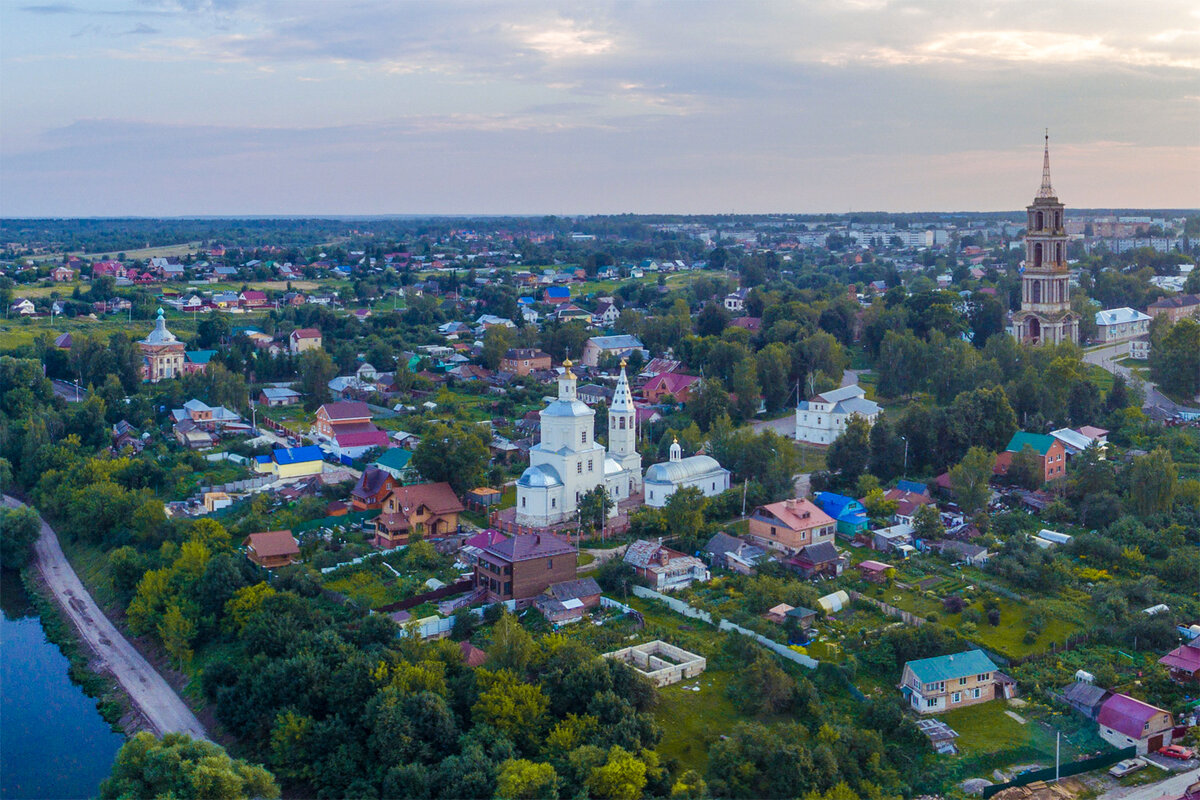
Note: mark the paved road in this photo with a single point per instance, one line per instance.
(1170, 787)
(1109, 356)
(69, 391)
(154, 699)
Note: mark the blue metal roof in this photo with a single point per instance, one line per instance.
(297, 455)
(912, 486)
(839, 506)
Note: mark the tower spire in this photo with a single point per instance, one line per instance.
(1046, 189)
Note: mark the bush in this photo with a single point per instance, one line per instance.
(972, 616)
(1030, 637)
(993, 617)
(953, 604)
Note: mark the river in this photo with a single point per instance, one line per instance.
(53, 741)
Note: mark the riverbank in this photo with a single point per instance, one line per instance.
(112, 702)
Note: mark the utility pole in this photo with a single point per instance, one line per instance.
(745, 485)
(1057, 745)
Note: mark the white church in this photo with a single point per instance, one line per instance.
(568, 462)
(700, 472)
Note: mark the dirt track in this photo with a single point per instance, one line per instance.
(152, 696)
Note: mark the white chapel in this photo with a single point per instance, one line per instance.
(568, 462)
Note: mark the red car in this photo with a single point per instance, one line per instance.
(1178, 751)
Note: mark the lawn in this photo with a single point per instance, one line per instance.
(985, 728)
(692, 721)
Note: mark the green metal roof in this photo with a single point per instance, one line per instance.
(945, 668)
(1038, 441)
(395, 458)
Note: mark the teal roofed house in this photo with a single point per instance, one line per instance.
(197, 360)
(396, 461)
(1041, 442)
(943, 683)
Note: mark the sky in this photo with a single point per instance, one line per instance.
(235, 107)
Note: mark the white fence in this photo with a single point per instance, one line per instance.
(695, 613)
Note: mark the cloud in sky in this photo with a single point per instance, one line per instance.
(366, 106)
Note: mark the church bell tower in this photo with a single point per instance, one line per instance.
(1046, 316)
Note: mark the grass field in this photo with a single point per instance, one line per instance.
(692, 721)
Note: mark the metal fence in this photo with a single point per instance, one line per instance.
(1063, 771)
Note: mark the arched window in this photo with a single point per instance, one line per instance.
(1035, 292)
(622, 423)
(1037, 253)
(1038, 219)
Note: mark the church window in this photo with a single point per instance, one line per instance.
(621, 424)
(1038, 221)
(589, 465)
(549, 563)
(583, 436)
(578, 467)
(553, 502)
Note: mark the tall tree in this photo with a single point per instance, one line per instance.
(1152, 482)
(316, 371)
(849, 454)
(969, 479)
(453, 452)
(179, 767)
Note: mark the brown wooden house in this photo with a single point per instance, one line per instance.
(422, 509)
(271, 549)
(524, 566)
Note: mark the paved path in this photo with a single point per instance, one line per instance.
(1170, 787)
(152, 696)
(1107, 358)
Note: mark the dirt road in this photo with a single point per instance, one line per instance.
(154, 699)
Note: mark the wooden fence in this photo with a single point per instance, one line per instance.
(897, 613)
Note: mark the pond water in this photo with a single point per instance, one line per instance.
(53, 741)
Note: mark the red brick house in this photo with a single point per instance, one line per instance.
(675, 384)
(1050, 452)
(372, 489)
(523, 360)
(341, 417)
(523, 567)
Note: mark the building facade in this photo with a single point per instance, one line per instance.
(1046, 316)
(523, 567)
(822, 419)
(698, 472)
(568, 462)
(943, 683)
(1120, 324)
(162, 354)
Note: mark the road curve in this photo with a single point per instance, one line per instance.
(153, 698)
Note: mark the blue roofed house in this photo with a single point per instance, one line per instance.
(850, 514)
(943, 683)
(395, 461)
(197, 360)
(291, 462)
(556, 294)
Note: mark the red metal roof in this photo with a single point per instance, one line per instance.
(1126, 715)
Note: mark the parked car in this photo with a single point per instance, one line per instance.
(1126, 767)
(1178, 751)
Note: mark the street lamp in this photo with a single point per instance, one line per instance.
(905, 472)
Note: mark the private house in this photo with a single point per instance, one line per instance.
(618, 346)
(275, 396)
(1050, 452)
(790, 525)
(162, 353)
(555, 295)
(567, 602)
(1126, 722)
(695, 472)
(252, 298)
(421, 509)
(1121, 324)
(523, 567)
(291, 462)
(734, 554)
(973, 554)
(873, 571)
(23, 307)
(850, 514)
(1183, 663)
(303, 339)
(822, 418)
(468, 552)
(372, 489)
(593, 393)
(196, 360)
(908, 500)
(271, 549)
(943, 683)
(62, 274)
(1175, 307)
(735, 301)
(817, 560)
(606, 314)
(896, 538)
(523, 360)
(666, 569)
(674, 384)
(396, 461)
(1086, 698)
(347, 427)
(1075, 441)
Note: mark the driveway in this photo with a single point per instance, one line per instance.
(1170, 787)
(152, 696)
(1108, 357)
